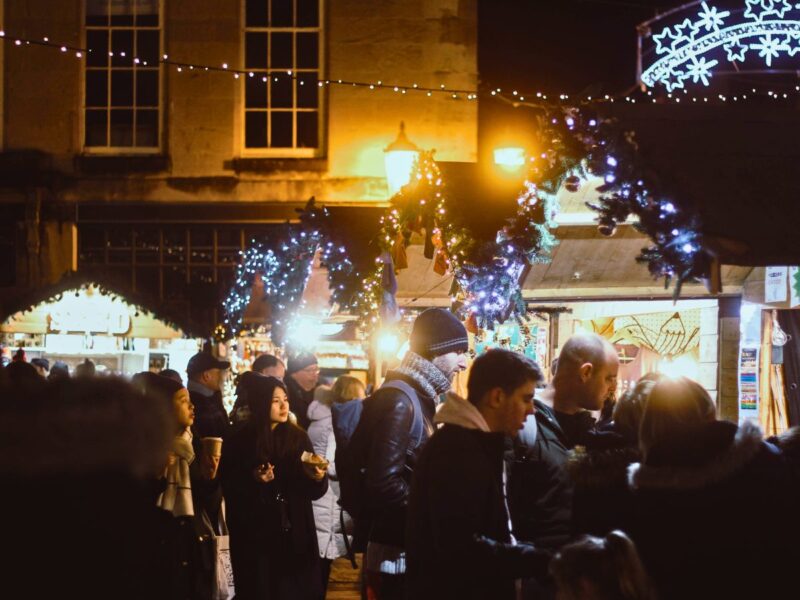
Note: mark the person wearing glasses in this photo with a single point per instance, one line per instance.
(302, 377)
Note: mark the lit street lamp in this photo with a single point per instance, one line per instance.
(399, 158)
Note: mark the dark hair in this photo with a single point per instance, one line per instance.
(157, 385)
(500, 368)
(629, 409)
(171, 374)
(266, 361)
(85, 369)
(23, 374)
(257, 391)
(609, 567)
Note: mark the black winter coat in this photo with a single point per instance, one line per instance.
(457, 494)
(388, 415)
(539, 487)
(210, 418)
(715, 516)
(299, 401)
(273, 543)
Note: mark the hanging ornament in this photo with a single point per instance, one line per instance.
(572, 183)
(607, 227)
(471, 324)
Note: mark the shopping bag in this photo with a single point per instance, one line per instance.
(223, 589)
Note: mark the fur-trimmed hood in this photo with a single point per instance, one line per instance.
(720, 449)
(597, 469)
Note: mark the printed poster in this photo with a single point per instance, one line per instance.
(748, 382)
(794, 286)
(775, 284)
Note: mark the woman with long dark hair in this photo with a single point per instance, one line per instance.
(268, 491)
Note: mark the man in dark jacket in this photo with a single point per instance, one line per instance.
(458, 540)
(540, 489)
(206, 375)
(384, 434)
(302, 377)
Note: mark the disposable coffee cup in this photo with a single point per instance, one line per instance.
(212, 446)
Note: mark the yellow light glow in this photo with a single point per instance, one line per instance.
(399, 159)
(511, 158)
(681, 366)
(388, 342)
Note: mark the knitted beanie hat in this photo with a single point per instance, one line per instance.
(298, 362)
(437, 331)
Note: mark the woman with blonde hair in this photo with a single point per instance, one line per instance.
(594, 568)
(331, 523)
(697, 480)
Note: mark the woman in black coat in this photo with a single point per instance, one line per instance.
(268, 492)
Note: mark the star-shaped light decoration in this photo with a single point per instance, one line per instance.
(665, 41)
(736, 51)
(700, 69)
(770, 47)
(711, 18)
(758, 10)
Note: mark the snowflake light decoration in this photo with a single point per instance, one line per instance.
(691, 48)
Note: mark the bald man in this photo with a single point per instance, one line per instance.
(540, 492)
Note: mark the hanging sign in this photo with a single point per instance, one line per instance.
(775, 284)
(794, 286)
(688, 44)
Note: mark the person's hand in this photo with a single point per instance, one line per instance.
(314, 472)
(264, 473)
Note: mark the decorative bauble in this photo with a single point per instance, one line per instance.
(607, 228)
(572, 183)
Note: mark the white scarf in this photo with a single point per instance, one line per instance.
(177, 498)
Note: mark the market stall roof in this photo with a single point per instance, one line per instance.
(88, 308)
(736, 166)
(20, 310)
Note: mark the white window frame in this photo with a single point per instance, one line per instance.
(321, 105)
(125, 150)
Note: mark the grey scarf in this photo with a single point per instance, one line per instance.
(424, 374)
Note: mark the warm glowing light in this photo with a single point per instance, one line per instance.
(303, 332)
(681, 366)
(388, 343)
(510, 159)
(399, 158)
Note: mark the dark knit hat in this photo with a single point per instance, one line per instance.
(437, 331)
(298, 362)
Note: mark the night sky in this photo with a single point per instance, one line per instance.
(560, 46)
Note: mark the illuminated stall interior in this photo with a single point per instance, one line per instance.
(86, 323)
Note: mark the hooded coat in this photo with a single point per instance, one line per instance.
(326, 509)
(714, 515)
(458, 540)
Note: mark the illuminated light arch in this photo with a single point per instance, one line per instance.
(689, 49)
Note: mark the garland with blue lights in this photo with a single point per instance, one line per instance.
(285, 271)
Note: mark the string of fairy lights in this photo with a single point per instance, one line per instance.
(517, 98)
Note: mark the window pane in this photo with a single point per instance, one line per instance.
(97, 88)
(255, 93)
(256, 13)
(147, 45)
(229, 237)
(122, 44)
(96, 125)
(307, 90)
(147, 280)
(147, 128)
(118, 238)
(202, 237)
(147, 13)
(174, 245)
(281, 51)
(119, 257)
(122, 128)
(255, 51)
(121, 88)
(281, 13)
(281, 130)
(281, 92)
(97, 12)
(308, 13)
(307, 51)
(97, 43)
(147, 87)
(174, 282)
(122, 12)
(256, 129)
(307, 130)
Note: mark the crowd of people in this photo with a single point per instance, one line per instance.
(120, 489)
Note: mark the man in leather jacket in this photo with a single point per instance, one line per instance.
(437, 346)
(540, 489)
(459, 538)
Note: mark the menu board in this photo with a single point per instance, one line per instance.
(748, 382)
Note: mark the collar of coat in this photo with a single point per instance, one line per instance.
(458, 411)
(745, 444)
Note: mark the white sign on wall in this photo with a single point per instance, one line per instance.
(776, 284)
